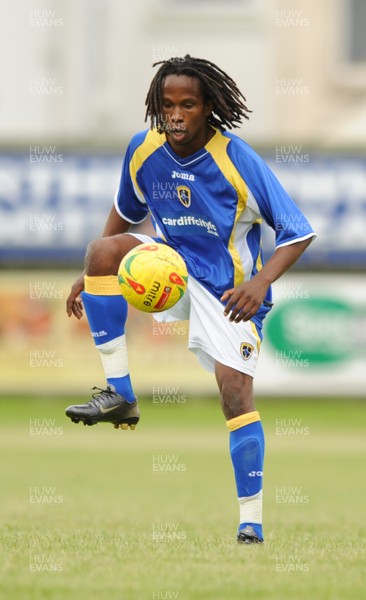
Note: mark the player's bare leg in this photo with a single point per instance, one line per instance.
(106, 310)
(103, 256)
(246, 448)
(236, 391)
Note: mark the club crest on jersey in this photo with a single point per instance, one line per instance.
(184, 195)
(246, 350)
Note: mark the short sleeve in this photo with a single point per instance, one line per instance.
(275, 206)
(128, 204)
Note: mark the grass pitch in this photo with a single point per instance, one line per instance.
(94, 513)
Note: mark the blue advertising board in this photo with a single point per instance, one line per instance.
(52, 204)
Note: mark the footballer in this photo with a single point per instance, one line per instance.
(223, 193)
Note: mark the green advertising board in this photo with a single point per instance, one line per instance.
(316, 330)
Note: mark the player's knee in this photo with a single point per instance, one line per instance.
(103, 256)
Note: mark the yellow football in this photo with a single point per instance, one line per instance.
(152, 277)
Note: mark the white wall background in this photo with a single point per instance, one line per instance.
(77, 71)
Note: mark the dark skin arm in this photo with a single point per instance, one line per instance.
(114, 225)
(243, 301)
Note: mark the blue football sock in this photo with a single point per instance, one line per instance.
(247, 455)
(107, 316)
(123, 386)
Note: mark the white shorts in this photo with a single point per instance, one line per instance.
(212, 337)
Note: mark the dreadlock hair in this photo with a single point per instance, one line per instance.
(228, 102)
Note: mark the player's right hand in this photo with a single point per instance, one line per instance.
(74, 305)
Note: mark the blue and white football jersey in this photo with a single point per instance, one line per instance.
(209, 206)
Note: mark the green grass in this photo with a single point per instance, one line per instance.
(99, 535)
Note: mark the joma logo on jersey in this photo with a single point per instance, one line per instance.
(184, 195)
(187, 176)
(246, 350)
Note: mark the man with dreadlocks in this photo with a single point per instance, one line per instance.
(223, 191)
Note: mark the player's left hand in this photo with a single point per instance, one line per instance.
(243, 301)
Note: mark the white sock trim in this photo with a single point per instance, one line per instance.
(114, 357)
(251, 508)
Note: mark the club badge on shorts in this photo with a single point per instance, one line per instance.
(184, 195)
(246, 350)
